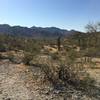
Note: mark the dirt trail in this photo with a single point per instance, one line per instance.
(12, 85)
(16, 82)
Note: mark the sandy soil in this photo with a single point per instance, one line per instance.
(16, 82)
(20, 82)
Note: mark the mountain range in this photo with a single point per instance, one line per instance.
(36, 32)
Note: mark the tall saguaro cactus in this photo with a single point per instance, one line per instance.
(59, 43)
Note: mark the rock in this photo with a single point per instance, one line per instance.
(56, 91)
(17, 60)
(8, 99)
(0, 91)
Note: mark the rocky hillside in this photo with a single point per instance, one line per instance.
(36, 32)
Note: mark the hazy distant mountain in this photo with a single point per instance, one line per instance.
(36, 32)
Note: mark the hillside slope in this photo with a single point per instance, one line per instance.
(36, 32)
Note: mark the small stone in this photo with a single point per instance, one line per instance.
(8, 99)
(0, 92)
(56, 91)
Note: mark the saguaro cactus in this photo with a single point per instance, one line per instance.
(59, 43)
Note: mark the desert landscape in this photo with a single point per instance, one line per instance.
(49, 49)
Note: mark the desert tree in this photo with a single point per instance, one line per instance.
(93, 28)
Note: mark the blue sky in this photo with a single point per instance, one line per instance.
(67, 14)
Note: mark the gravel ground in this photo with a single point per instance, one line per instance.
(20, 82)
(12, 87)
(17, 82)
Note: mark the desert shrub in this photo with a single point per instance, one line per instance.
(76, 76)
(15, 56)
(65, 71)
(55, 56)
(32, 46)
(73, 72)
(3, 48)
(1, 56)
(88, 81)
(10, 56)
(48, 66)
(27, 58)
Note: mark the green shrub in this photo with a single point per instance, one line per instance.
(27, 58)
(3, 48)
(1, 56)
(10, 56)
(65, 71)
(55, 56)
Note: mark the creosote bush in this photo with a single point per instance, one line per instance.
(1, 56)
(66, 71)
(3, 48)
(27, 58)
